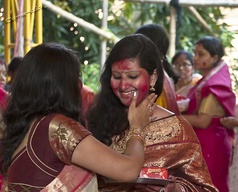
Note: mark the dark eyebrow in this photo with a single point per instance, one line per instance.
(127, 72)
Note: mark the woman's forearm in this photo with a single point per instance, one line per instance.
(200, 121)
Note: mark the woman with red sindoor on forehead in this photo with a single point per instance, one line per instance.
(134, 65)
(210, 100)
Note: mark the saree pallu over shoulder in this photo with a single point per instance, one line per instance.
(217, 82)
(73, 179)
(171, 143)
(167, 98)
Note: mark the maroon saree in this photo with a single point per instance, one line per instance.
(44, 164)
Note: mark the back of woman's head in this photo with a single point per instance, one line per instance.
(47, 80)
(213, 45)
(157, 34)
(14, 64)
(188, 56)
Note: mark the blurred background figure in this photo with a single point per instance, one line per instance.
(11, 72)
(3, 93)
(87, 97)
(232, 123)
(3, 96)
(208, 104)
(3, 72)
(183, 65)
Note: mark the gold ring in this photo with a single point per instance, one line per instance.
(150, 110)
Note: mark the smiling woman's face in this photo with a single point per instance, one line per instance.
(128, 77)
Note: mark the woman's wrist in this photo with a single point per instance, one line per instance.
(136, 133)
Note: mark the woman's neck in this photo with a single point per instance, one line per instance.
(204, 72)
(183, 82)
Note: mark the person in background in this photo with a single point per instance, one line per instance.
(134, 65)
(3, 99)
(211, 99)
(183, 65)
(3, 73)
(232, 123)
(158, 35)
(12, 70)
(3, 94)
(45, 146)
(87, 97)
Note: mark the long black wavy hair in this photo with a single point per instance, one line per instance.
(47, 82)
(107, 116)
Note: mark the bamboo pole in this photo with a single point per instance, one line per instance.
(7, 37)
(27, 24)
(172, 39)
(103, 44)
(199, 18)
(39, 22)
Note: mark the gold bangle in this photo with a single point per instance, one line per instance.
(182, 188)
(136, 133)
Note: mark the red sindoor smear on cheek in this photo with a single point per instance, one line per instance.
(204, 63)
(144, 89)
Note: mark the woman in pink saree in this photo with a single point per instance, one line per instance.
(211, 99)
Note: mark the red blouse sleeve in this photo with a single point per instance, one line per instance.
(64, 135)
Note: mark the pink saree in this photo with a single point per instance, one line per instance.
(215, 139)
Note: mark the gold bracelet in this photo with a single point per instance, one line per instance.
(182, 188)
(136, 133)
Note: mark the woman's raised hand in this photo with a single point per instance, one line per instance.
(139, 116)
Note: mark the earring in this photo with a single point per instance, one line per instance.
(152, 87)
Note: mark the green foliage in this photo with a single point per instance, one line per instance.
(90, 76)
